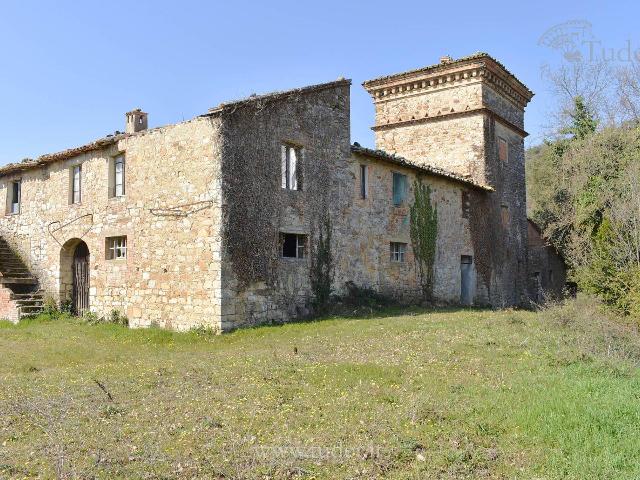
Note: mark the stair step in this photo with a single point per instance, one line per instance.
(30, 310)
(18, 296)
(15, 274)
(18, 280)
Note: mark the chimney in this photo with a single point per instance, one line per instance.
(446, 59)
(136, 121)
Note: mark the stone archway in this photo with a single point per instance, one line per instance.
(74, 275)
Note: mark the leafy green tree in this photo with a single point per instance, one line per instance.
(583, 122)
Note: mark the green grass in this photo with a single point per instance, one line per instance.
(413, 394)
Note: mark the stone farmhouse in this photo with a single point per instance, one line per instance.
(252, 211)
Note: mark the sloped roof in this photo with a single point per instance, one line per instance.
(63, 155)
(424, 168)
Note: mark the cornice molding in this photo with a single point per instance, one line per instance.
(484, 70)
(449, 116)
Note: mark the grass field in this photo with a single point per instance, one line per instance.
(405, 394)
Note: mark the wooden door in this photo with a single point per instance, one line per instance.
(81, 279)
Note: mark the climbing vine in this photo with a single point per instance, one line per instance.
(424, 232)
(322, 266)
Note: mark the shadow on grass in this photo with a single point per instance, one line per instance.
(160, 336)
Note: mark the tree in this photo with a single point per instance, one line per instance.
(583, 122)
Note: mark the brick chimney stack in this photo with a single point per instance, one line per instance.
(136, 121)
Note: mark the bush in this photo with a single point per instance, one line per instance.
(594, 330)
(115, 317)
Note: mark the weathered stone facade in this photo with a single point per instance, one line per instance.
(211, 205)
(453, 115)
(547, 270)
(170, 216)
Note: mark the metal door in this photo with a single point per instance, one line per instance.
(81, 279)
(466, 276)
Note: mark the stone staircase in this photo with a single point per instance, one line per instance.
(15, 276)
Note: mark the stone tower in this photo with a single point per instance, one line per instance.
(467, 116)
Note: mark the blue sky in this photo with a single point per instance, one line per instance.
(69, 70)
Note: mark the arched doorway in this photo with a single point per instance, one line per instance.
(74, 276)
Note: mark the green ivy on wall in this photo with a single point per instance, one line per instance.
(424, 233)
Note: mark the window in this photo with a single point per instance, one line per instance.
(116, 247)
(399, 188)
(291, 168)
(466, 204)
(116, 177)
(293, 245)
(503, 149)
(398, 251)
(76, 184)
(466, 259)
(14, 193)
(364, 181)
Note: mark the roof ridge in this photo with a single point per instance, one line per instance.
(275, 95)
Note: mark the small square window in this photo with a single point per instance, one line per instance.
(116, 247)
(398, 251)
(399, 189)
(293, 245)
(291, 167)
(503, 149)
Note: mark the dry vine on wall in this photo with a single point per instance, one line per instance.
(256, 207)
(321, 273)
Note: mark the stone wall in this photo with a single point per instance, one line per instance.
(8, 308)
(452, 116)
(258, 284)
(547, 279)
(372, 223)
(453, 143)
(170, 214)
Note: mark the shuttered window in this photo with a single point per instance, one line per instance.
(399, 189)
